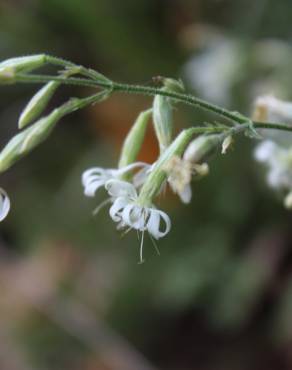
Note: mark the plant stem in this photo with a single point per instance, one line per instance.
(235, 117)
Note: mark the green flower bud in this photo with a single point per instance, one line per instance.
(37, 104)
(134, 139)
(163, 121)
(25, 141)
(7, 76)
(158, 175)
(201, 147)
(24, 64)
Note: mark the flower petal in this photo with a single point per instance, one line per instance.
(186, 194)
(94, 172)
(153, 224)
(4, 204)
(92, 187)
(118, 188)
(117, 207)
(130, 167)
(135, 217)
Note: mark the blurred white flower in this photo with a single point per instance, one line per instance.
(214, 71)
(96, 177)
(127, 211)
(268, 108)
(278, 159)
(4, 204)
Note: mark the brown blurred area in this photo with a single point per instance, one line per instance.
(72, 295)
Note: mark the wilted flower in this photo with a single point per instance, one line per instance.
(180, 172)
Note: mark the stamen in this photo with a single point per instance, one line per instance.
(154, 244)
(100, 206)
(141, 249)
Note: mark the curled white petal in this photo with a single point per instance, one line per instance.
(186, 194)
(119, 188)
(92, 187)
(117, 207)
(154, 223)
(135, 217)
(92, 173)
(130, 167)
(4, 204)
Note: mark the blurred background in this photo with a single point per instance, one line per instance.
(72, 295)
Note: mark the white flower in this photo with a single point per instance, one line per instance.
(268, 108)
(96, 177)
(4, 204)
(127, 211)
(279, 162)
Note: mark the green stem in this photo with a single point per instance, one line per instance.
(235, 117)
(137, 89)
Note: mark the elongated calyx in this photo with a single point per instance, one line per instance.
(27, 140)
(24, 64)
(37, 104)
(134, 139)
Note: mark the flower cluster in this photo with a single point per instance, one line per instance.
(133, 186)
(276, 150)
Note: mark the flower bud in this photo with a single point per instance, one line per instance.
(7, 76)
(134, 139)
(23, 64)
(25, 141)
(163, 121)
(37, 104)
(202, 146)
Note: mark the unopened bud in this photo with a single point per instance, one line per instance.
(37, 104)
(25, 141)
(7, 76)
(24, 64)
(134, 139)
(201, 147)
(163, 121)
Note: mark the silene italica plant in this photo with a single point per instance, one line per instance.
(133, 186)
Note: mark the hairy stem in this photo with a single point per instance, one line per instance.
(93, 82)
